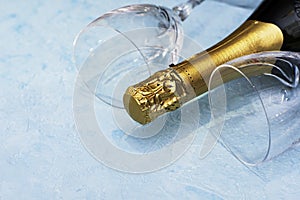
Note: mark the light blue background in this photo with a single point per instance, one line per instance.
(41, 156)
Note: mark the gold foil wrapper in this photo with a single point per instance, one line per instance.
(162, 92)
(167, 90)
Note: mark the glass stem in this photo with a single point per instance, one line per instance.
(184, 10)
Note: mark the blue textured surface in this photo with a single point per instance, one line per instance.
(41, 156)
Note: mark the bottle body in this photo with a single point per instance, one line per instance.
(266, 30)
(286, 15)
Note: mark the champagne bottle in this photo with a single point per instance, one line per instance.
(275, 25)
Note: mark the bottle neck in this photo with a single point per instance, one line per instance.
(286, 15)
(252, 37)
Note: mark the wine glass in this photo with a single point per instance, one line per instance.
(126, 41)
(256, 117)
